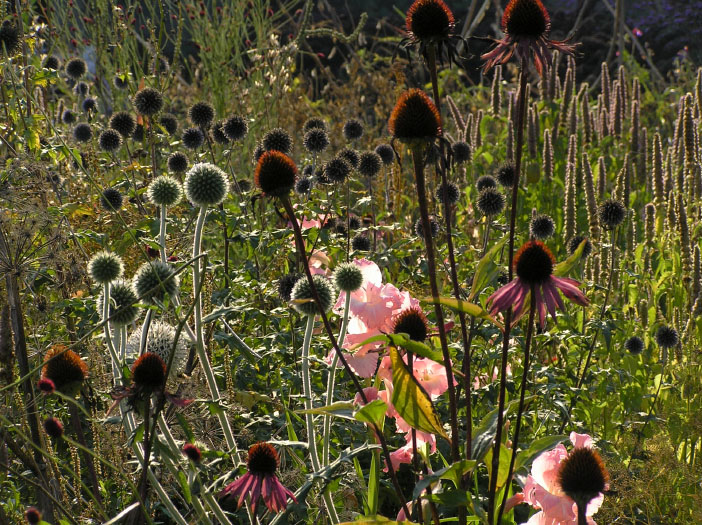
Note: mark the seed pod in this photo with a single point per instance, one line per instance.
(468, 128)
(601, 178)
(678, 134)
(606, 84)
(553, 76)
(477, 138)
(586, 116)
(531, 132)
(455, 112)
(642, 160)
(603, 122)
(569, 211)
(685, 251)
(6, 354)
(573, 150)
(496, 91)
(568, 88)
(623, 82)
(689, 133)
(696, 273)
(634, 132)
(591, 200)
(698, 93)
(617, 115)
(650, 233)
(547, 156)
(670, 209)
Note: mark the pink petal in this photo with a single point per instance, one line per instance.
(569, 287)
(581, 440)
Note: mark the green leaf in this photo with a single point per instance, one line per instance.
(564, 267)
(373, 413)
(487, 268)
(417, 348)
(503, 466)
(189, 435)
(525, 457)
(466, 308)
(453, 473)
(183, 481)
(485, 433)
(342, 409)
(122, 514)
(411, 401)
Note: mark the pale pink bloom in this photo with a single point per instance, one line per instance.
(319, 263)
(404, 454)
(371, 394)
(482, 379)
(430, 374)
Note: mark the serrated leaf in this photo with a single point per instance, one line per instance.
(467, 308)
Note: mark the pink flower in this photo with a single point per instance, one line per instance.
(371, 394)
(404, 454)
(319, 263)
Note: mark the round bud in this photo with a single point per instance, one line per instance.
(541, 227)
(351, 156)
(149, 372)
(154, 280)
(123, 299)
(148, 101)
(461, 152)
(54, 429)
(667, 337)
(51, 62)
(275, 174)
(191, 452)
(506, 175)
(193, 138)
(123, 123)
(369, 164)
(634, 345)
(286, 284)
(348, 277)
(82, 132)
(32, 515)
(177, 162)
(354, 223)
(165, 191)
(433, 227)
(453, 194)
(206, 185)
(415, 119)
(413, 322)
(76, 68)
(259, 150)
(303, 297)
(89, 104)
(316, 140)
(218, 133)
(161, 340)
(111, 199)
(81, 88)
(201, 114)
(277, 139)
(611, 213)
(169, 123)
(68, 117)
(387, 155)
(353, 129)
(314, 123)
(361, 243)
(574, 243)
(120, 83)
(429, 20)
(337, 170)
(235, 128)
(490, 201)
(105, 267)
(303, 186)
(110, 140)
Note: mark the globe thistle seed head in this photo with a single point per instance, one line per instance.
(354, 223)
(169, 123)
(429, 20)
(165, 191)
(340, 227)
(123, 299)
(314, 123)
(82, 132)
(111, 199)
(634, 345)
(526, 18)
(201, 114)
(206, 185)
(286, 284)
(65, 368)
(491, 202)
(193, 138)
(361, 243)
(68, 117)
(453, 194)
(582, 475)
(611, 213)
(89, 105)
(124, 123)
(177, 162)
(387, 155)
(351, 156)
(353, 129)
(348, 277)
(161, 341)
(541, 227)
(81, 88)
(46, 386)
(667, 337)
(484, 182)
(419, 227)
(110, 140)
(303, 186)
(534, 263)
(149, 372)
(9, 37)
(415, 118)
(76, 68)
(258, 152)
(278, 139)
(461, 152)
(262, 460)
(412, 322)
(316, 140)
(369, 164)
(105, 267)
(575, 242)
(303, 298)
(235, 128)
(54, 429)
(32, 515)
(191, 452)
(51, 62)
(154, 280)
(275, 174)
(320, 177)
(507, 175)
(218, 133)
(337, 170)
(148, 101)
(120, 83)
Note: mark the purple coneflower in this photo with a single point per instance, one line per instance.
(260, 481)
(534, 264)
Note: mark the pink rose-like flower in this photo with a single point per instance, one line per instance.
(404, 454)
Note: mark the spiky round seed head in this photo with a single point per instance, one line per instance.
(9, 37)
(259, 150)
(275, 174)
(534, 263)
(419, 227)
(506, 175)
(191, 452)
(218, 133)
(302, 291)
(634, 345)
(320, 176)
(369, 164)
(461, 152)
(169, 123)
(32, 515)
(46, 386)
(81, 88)
(484, 182)
(54, 429)
(611, 213)
(340, 227)
(667, 337)
(574, 243)
(314, 123)
(76, 68)
(361, 243)
(193, 138)
(149, 372)
(316, 140)
(82, 132)
(51, 62)
(353, 129)
(354, 223)
(429, 20)
(206, 185)
(148, 101)
(262, 460)
(154, 280)
(177, 162)
(124, 123)
(235, 127)
(490, 201)
(165, 191)
(541, 227)
(286, 284)
(161, 340)
(105, 267)
(64, 367)
(415, 118)
(303, 186)
(387, 155)
(68, 117)
(412, 322)
(351, 156)
(111, 199)
(201, 114)
(89, 104)
(582, 475)
(337, 170)
(120, 83)
(110, 140)
(452, 193)
(526, 18)
(348, 277)
(277, 139)
(123, 300)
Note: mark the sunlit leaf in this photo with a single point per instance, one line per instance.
(563, 268)
(467, 308)
(487, 269)
(373, 412)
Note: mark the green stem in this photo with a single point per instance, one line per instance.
(162, 233)
(106, 315)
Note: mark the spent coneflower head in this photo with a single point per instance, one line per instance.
(429, 20)
(412, 322)
(192, 452)
(32, 515)
(260, 481)
(527, 26)
(415, 119)
(65, 368)
(275, 173)
(53, 428)
(534, 265)
(149, 372)
(582, 476)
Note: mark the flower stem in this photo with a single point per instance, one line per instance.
(162, 233)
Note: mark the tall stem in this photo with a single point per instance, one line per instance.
(162, 233)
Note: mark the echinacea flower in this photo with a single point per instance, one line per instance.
(260, 481)
(431, 23)
(534, 264)
(65, 369)
(527, 25)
